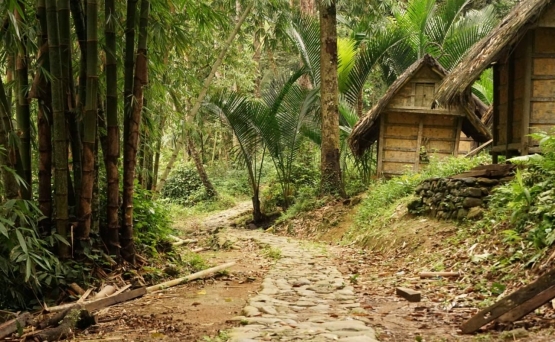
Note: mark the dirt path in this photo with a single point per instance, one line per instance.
(279, 290)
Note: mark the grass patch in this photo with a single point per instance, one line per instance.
(272, 253)
(388, 197)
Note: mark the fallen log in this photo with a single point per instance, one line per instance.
(439, 274)
(76, 317)
(200, 249)
(183, 242)
(190, 277)
(14, 325)
(102, 302)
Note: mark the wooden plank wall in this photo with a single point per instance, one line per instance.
(542, 111)
(404, 133)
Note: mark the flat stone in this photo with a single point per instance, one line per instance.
(470, 202)
(475, 213)
(250, 311)
(346, 325)
(269, 310)
(361, 338)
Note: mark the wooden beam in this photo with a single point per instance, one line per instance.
(422, 110)
(529, 306)
(457, 137)
(510, 147)
(408, 294)
(508, 303)
(381, 146)
(510, 104)
(494, 130)
(418, 143)
(478, 149)
(526, 101)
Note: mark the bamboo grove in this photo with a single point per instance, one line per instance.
(62, 109)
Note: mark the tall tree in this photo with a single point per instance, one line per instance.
(89, 124)
(131, 136)
(329, 93)
(42, 92)
(111, 235)
(59, 128)
(23, 113)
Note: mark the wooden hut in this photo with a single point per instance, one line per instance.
(406, 127)
(522, 53)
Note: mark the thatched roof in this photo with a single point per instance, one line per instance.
(493, 47)
(366, 131)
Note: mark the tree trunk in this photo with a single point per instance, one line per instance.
(11, 189)
(111, 235)
(41, 90)
(89, 123)
(210, 190)
(64, 28)
(206, 85)
(157, 154)
(76, 7)
(330, 158)
(59, 129)
(23, 114)
(131, 139)
(307, 7)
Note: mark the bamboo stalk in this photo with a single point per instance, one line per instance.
(190, 277)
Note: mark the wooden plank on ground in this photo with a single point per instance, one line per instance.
(12, 326)
(508, 303)
(529, 306)
(439, 274)
(408, 294)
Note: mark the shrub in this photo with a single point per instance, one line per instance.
(184, 186)
(27, 265)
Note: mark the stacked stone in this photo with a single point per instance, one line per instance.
(453, 198)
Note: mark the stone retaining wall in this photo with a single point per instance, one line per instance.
(453, 198)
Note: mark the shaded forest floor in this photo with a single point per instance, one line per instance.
(203, 310)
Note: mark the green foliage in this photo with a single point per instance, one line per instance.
(528, 201)
(383, 195)
(27, 264)
(184, 186)
(152, 223)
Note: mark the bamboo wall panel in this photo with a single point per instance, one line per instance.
(403, 98)
(424, 95)
(405, 156)
(426, 73)
(543, 41)
(548, 17)
(544, 66)
(402, 118)
(433, 145)
(442, 133)
(401, 143)
(443, 120)
(400, 130)
(543, 112)
(543, 88)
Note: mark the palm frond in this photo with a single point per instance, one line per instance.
(304, 32)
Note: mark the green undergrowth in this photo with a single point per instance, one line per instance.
(385, 197)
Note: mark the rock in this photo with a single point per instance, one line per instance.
(250, 311)
(475, 213)
(346, 325)
(269, 310)
(485, 191)
(470, 202)
(361, 338)
(461, 214)
(468, 180)
(487, 181)
(472, 192)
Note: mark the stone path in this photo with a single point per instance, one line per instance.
(303, 298)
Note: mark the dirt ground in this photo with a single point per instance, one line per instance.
(393, 259)
(188, 312)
